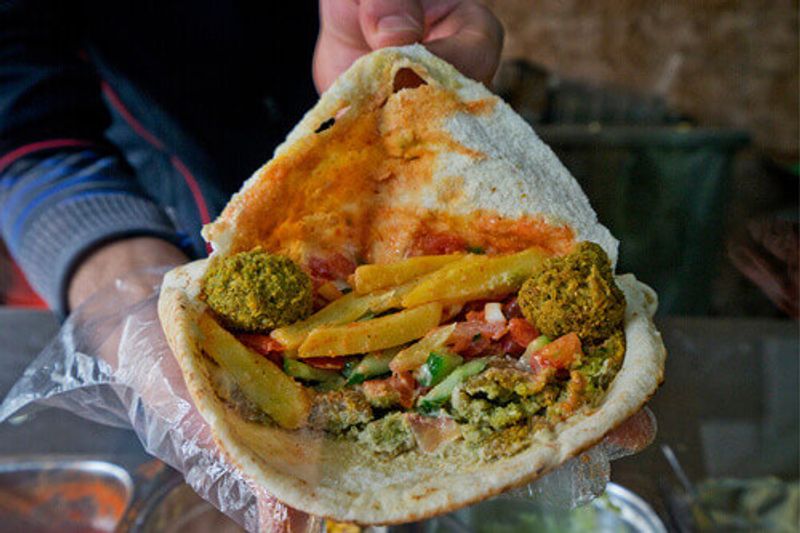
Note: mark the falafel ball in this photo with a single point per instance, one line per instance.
(257, 291)
(575, 293)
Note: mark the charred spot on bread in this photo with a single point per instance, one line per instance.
(407, 78)
(325, 125)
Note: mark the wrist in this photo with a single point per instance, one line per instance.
(117, 258)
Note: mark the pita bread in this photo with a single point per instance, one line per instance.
(446, 156)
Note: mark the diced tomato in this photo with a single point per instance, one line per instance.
(560, 353)
(334, 266)
(476, 316)
(511, 308)
(474, 338)
(522, 331)
(405, 384)
(510, 346)
(327, 363)
(439, 244)
(263, 344)
(475, 306)
(400, 387)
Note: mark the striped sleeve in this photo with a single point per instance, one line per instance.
(57, 205)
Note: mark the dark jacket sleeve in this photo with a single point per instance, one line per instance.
(63, 189)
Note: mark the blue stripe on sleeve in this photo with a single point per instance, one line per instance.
(89, 182)
(61, 165)
(13, 175)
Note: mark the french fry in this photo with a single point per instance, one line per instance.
(329, 291)
(370, 335)
(415, 355)
(261, 381)
(369, 278)
(476, 277)
(346, 309)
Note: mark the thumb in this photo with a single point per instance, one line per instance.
(391, 22)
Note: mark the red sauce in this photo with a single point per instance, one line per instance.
(439, 244)
(328, 194)
(330, 267)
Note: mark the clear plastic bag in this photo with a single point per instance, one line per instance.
(111, 363)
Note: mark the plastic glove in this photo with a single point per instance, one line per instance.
(111, 363)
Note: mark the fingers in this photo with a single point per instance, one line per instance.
(108, 262)
(779, 237)
(340, 41)
(278, 517)
(769, 258)
(635, 434)
(469, 36)
(776, 284)
(462, 32)
(391, 22)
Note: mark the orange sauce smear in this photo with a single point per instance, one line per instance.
(327, 194)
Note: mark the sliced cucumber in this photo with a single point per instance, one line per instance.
(327, 379)
(437, 367)
(536, 344)
(372, 365)
(438, 395)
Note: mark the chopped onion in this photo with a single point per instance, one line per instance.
(494, 312)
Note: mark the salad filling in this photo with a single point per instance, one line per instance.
(411, 355)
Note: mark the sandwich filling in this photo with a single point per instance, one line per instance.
(412, 354)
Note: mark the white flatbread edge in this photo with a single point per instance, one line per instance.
(375, 501)
(520, 175)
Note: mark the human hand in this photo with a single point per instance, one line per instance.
(463, 32)
(118, 258)
(769, 257)
(115, 337)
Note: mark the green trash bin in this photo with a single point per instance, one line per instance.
(661, 190)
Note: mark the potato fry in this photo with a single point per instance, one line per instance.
(329, 291)
(369, 278)
(476, 277)
(346, 309)
(261, 381)
(415, 355)
(371, 335)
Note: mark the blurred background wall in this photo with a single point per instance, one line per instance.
(721, 63)
(725, 62)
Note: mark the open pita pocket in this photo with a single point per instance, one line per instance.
(376, 173)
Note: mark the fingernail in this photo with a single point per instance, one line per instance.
(399, 24)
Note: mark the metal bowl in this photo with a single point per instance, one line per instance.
(618, 510)
(55, 495)
(177, 509)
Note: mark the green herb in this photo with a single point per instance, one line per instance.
(349, 366)
(476, 249)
